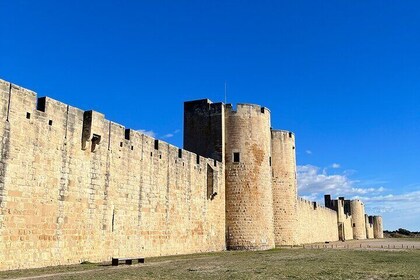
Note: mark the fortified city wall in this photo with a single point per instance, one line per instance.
(75, 186)
(249, 207)
(357, 209)
(284, 187)
(315, 223)
(378, 230)
(369, 227)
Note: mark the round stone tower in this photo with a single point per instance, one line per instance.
(284, 187)
(357, 209)
(249, 197)
(378, 229)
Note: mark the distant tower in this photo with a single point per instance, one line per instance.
(249, 197)
(378, 230)
(369, 228)
(357, 209)
(284, 187)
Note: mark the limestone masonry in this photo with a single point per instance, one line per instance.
(76, 187)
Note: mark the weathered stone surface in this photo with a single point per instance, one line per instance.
(76, 187)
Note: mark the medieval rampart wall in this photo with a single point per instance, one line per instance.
(76, 187)
(315, 223)
(284, 187)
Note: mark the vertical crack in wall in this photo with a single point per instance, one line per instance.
(167, 189)
(4, 153)
(140, 204)
(63, 190)
(107, 183)
(8, 102)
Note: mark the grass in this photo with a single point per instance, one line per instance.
(272, 264)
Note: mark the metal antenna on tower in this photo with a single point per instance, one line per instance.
(225, 93)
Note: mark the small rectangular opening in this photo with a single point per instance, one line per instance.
(156, 144)
(269, 160)
(262, 110)
(236, 157)
(215, 163)
(354, 225)
(127, 134)
(290, 135)
(121, 144)
(40, 105)
(198, 159)
(50, 122)
(132, 148)
(180, 153)
(28, 115)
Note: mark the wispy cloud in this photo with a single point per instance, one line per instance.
(170, 135)
(309, 152)
(150, 133)
(398, 210)
(335, 165)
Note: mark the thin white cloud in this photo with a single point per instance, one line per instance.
(398, 210)
(309, 152)
(150, 133)
(170, 135)
(314, 180)
(335, 165)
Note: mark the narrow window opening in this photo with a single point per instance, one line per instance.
(215, 163)
(121, 144)
(96, 139)
(127, 134)
(151, 154)
(198, 159)
(269, 160)
(132, 148)
(354, 225)
(156, 144)
(50, 122)
(40, 105)
(290, 135)
(262, 110)
(160, 156)
(236, 157)
(28, 115)
(180, 153)
(293, 147)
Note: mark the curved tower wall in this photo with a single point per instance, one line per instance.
(369, 228)
(249, 203)
(358, 214)
(378, 230)
(284, 187)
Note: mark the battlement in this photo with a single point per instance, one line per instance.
(85, 188)
(247, 108)
(97, 130)
(279, 133)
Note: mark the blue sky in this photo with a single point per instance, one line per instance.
(343, 75)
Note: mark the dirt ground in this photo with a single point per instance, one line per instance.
(349, 262)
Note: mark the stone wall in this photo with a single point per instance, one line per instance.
(378, 230)
(76, 187)
(315, 223)
(357, 209)
(369, 228)
(249, 203)
(284, 187)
